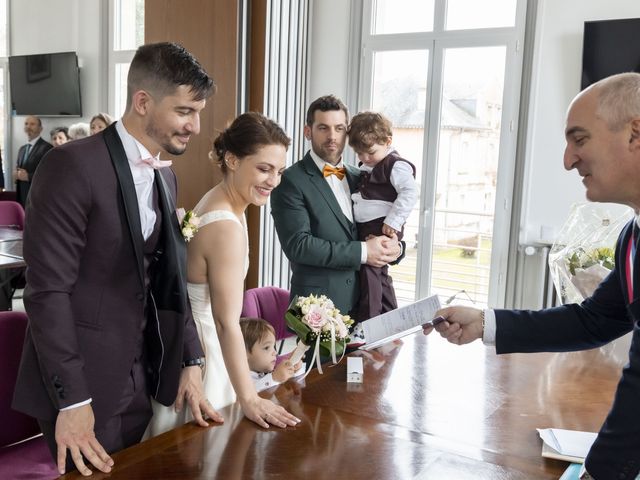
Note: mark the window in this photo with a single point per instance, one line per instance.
(126, 34)
(446, 73)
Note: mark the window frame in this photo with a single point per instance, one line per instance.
(436, 42)
(115, 57)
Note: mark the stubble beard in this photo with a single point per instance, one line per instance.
(329, 157)
(165, 143)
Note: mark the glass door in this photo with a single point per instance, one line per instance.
(450, 87)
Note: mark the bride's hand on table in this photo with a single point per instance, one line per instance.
(265, 412)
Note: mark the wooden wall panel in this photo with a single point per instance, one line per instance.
(255, 83)
(209, 30)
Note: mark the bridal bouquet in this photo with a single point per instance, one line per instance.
(583, 254)
(319, 324)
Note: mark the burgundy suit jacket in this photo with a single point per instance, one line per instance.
(85, 293)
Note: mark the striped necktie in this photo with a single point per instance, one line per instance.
(25, 154)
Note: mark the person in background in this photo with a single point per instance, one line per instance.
(603, 144)
(99, 122)
(106, 295)
(78, 130)
(313, 214)
(385, 197)
(260, 343)
(29, 157)
(59, 136)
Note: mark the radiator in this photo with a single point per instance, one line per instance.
(534, 285)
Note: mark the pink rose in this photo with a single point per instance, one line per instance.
(315, 318)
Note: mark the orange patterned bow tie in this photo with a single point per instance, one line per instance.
(329, 170)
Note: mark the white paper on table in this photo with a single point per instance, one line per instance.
(569, 443)
(399, 322)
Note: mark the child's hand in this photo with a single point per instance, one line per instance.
(284, 371)
(388, 231)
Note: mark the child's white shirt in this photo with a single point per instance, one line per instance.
(395, 213)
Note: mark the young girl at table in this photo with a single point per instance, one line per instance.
(260, 343)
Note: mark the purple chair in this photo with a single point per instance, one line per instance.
(23, 450)
(11, 215)
(8, 195)
(269, 303)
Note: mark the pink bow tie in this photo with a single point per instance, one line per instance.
(153, 162)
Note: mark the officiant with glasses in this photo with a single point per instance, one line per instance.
(603, 144)
(29, 156)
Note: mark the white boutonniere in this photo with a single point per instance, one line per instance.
(189, 223)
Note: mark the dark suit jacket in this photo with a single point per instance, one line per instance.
(86, 295)
(319, 241)
(30, 164)
(605, 316)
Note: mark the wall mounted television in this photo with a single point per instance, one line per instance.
(45, 84)
(610, 47)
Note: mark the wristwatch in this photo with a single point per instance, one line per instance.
(193, 362)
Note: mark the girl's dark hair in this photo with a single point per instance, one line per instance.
(56, 130)
(246, 134)
(253, 329)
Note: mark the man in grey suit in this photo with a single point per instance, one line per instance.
(313, 213)
(109, 319)
(29, 156)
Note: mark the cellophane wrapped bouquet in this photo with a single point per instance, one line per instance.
(583, 254)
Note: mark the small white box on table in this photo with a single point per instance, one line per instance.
(355, 370)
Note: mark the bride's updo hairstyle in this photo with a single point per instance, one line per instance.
(246, 134)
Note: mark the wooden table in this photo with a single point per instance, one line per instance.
(426, 409)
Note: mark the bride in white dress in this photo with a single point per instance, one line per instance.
(252, 155)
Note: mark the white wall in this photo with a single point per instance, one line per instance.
(329, 48)
(47, 26)
(549, 189)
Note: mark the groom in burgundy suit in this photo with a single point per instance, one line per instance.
(109, 320)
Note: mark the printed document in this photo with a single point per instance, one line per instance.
(399, 322)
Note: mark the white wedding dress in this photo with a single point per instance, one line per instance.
(217, 385)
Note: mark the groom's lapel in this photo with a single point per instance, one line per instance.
(128, 193)
(317, 180)
(170, 275)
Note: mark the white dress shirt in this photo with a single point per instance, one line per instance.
(262, 381)
(342, 192)
(397, 212)
(143, 177)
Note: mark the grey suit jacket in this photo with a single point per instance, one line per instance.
(86, 295)
(319, 241)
